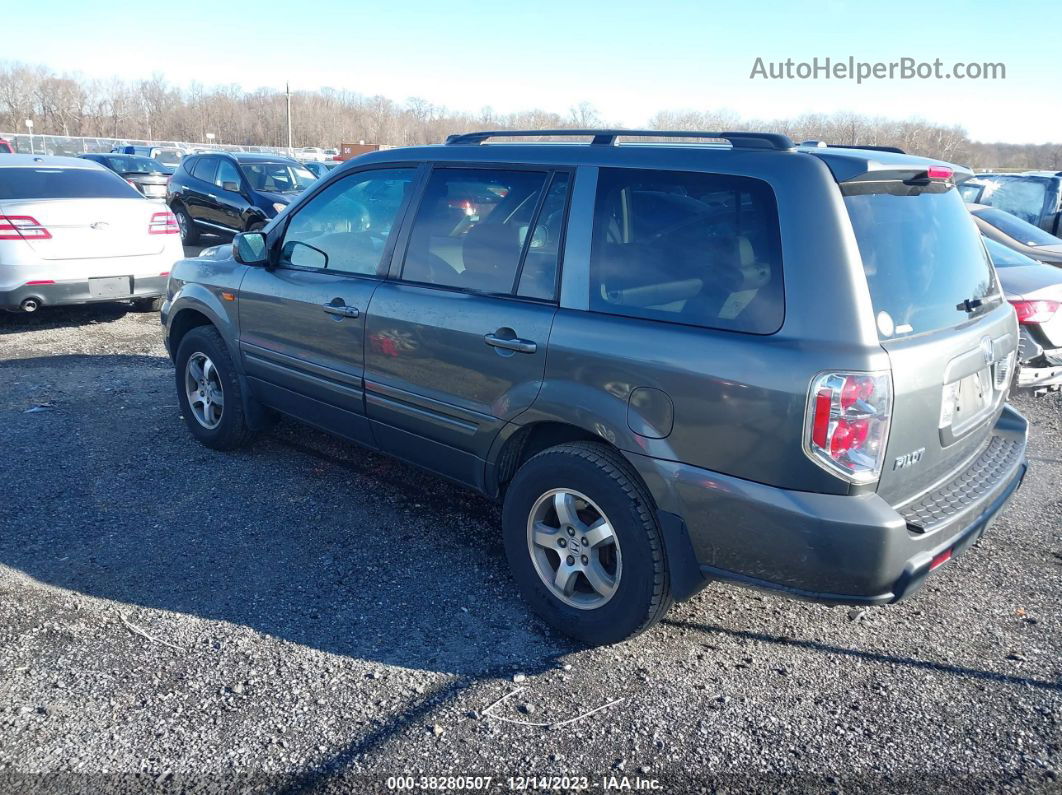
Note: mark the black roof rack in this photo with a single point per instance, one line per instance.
(823, 145)
(738, 140)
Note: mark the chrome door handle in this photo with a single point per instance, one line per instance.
(341, 310)
(211, 196)
(517, 344)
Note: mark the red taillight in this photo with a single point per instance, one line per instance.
(41, 281)
(940, 560)
(22, 227)
(1033, 313)
(939, 172)
(848, 423)
(164, 223)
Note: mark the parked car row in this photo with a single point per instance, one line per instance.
(72, 231)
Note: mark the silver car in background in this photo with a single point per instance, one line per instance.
(74, 232)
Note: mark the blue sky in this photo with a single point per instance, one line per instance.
(628, 59)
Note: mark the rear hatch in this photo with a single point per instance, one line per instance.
(941, 316)
(87, 213)
(151, 185)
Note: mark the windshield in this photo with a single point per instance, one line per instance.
(277, 177)
(64, 183)
(135, 164)
(171, 156)
(923, 258)
(1003, 257)
(1020, 230)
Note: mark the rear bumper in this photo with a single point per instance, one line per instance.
(76, 291)
(829, 548)
(1041, 363)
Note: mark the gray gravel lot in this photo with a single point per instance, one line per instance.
(307, 615)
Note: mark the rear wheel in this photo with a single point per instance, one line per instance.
(147, 304)
(208, 391)
(189, 234)
(584, 544)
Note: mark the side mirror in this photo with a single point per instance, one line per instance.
(250, 248)
(231, 187)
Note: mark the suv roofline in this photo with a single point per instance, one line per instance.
(607, 137)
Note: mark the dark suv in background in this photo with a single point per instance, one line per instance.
(1033, 196)
(780, 366)
(227, 192)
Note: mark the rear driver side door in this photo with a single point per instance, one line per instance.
(302, 323)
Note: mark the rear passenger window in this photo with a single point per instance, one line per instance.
(205, 168)
(471, 228)
(538, 275)
(697, 249)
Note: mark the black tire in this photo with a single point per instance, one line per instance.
(147, 304)
(189, 232)
(232, 431)
(256, 226)
(642, 596)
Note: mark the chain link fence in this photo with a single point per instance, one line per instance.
(71, 146)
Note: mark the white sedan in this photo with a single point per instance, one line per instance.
(74, 232)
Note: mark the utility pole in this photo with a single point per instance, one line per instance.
(287, 94)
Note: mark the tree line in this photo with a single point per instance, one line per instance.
(153, 109)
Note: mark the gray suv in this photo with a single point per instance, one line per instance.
(775, 365)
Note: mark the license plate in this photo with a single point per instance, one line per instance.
(111, 287)
(154, 190)
(974, 395)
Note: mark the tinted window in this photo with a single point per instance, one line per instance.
(349, 222)
(1020, 230)
(538, 274)
(1020, 196)
(470, 228)
(63, 183)
(204, 168)
(923, 259)
(226, 173)
(277, 177)
(698, 249)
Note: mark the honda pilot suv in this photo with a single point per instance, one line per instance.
(775, 365)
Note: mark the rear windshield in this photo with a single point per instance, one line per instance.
(63, 183)
(134, 164)
(1015, 227)
(923, 259)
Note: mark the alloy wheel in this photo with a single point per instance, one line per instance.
(574, 549)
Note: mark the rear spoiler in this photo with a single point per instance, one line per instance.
(869, 166)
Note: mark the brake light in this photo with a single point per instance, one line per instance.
(164, 223)
(1033, 313)
(847, 423)
(939, 172)
(22, 227)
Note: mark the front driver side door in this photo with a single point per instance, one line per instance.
(302, 323)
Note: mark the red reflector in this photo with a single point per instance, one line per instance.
(821, 427)
(1033, 313)
(164, 273)
(940, 559)
(939, 172)
(41, 281)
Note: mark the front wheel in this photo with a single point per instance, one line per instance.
(209, 392)
(584, 545)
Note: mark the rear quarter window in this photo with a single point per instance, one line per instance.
(690, 248)
(63, 183)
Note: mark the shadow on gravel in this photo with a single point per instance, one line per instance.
(54, 317)
(929, 665)
(300, 537)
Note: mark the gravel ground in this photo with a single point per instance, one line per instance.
(309, 616)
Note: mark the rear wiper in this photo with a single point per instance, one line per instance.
(970, 304)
